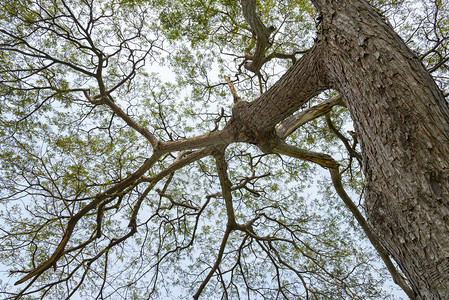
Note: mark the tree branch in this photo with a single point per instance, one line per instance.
(233, 91)
(289, 125)
(74, 220)
(133, 124)
(327, 161)
(262, 35)
(212, 139)
(323, 160)
(217, 263)
(398, 279)
(345, 141)
(225, 186)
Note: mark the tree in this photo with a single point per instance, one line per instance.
(117, 183)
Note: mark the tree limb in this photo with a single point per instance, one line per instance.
(225, 186)
(327, 161)
(345, 141)
(262, 35)
(323, 160)
(217, 263)
(233, 91)
(292, 123)
(398, 279)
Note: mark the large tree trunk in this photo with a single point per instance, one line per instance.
(402, 120)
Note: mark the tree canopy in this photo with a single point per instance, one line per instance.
(117, 180)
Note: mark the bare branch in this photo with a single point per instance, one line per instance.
(225, 185)
(289, 125)
(217, 263)
(262, 35)
(323, 160)
(233, 91)
(398, 279)
(351, 150)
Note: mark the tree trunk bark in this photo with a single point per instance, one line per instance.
(402, 120)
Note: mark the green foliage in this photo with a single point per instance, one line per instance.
(162, 63)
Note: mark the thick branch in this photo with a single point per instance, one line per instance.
(299, 84)
(289, 125)
(215, 138)
(291, 56)
(225, 186)
(262, 35)
(323, 160)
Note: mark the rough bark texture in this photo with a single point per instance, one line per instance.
(300, 83)
(402, 120)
